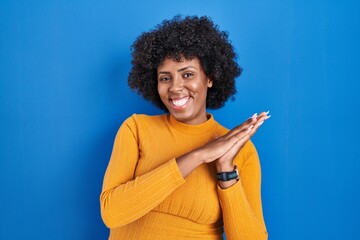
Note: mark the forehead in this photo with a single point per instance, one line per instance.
(169, 64)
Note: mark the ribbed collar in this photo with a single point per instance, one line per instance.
(193, 129)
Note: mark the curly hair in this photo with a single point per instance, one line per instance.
(189, 37)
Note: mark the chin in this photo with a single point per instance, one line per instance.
(182, 116)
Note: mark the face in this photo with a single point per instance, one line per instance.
(182, 87)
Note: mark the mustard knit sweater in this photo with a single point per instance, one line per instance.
(144, 195)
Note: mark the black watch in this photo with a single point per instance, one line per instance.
(227, 176)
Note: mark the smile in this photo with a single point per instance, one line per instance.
(179, 102)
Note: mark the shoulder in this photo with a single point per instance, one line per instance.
(141, 119)
(138, 122)
(140, 125)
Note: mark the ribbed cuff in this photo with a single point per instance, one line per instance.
(178, 178)
(228, 195)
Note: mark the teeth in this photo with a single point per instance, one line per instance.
(180, 102)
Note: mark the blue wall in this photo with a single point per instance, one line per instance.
(63, 94)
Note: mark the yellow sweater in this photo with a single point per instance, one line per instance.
(144, 195)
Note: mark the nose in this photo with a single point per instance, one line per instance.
(177, 84)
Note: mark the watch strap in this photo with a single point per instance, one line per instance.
(227, 176)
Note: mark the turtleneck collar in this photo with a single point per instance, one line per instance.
(204, 127)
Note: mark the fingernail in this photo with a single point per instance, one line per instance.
(254, 116)
(268, 117)
(261, 123)
(267, 112)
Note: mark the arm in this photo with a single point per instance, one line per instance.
(241, 203)
(121, 190)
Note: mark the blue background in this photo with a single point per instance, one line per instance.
(63, 95)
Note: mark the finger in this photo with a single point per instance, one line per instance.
(261, 118)
(237, 146)
(254, 119)
(250, 121)
(257, 125)
(264, 115)
(215, 137)
(250, 127)
(244, 133)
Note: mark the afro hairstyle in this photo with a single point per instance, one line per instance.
(185, 37)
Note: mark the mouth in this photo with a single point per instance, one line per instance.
(180, 102)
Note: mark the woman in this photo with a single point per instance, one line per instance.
(182, 175)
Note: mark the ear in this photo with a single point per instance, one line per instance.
(209, 83)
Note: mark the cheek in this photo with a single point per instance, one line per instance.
(161, 91)
(199, 87)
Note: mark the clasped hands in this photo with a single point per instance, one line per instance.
(223, 149)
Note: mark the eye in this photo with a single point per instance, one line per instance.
(188, 75)
(164, 79)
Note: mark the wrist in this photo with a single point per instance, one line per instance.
(188, 162)
(200, 156)
(228, 178)
(224, 167)
(228, 175)
(197, 157)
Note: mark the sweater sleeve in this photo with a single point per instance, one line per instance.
(241, 203)
(124, 197)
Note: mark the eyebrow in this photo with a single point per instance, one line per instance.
(179, 70)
